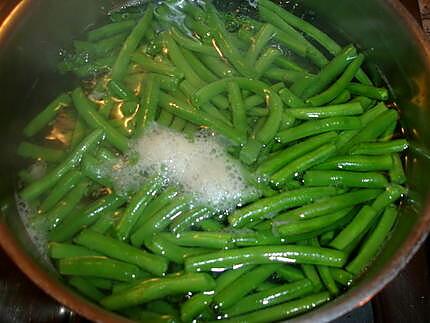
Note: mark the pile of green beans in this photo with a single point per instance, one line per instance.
(313, 134)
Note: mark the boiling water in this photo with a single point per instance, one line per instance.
(201, 166)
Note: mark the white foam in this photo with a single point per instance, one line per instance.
(202, 167)
(34, 228)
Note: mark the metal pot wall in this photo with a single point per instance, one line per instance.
(398, 54)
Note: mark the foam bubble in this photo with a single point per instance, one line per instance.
(202, 167)
(34, 229)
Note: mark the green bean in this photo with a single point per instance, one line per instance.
(226, 45)
(373, 244)
(304, 26)
(150, 65)
(311, 225)
(397, 173)
(190, 218)
(286, 63)
(392, 193)
(88, 112)
(101, 283)
(140, 315)
(130, 45)
(71, 179)
(253, 101)
(110, 30)
(187, 112)
(148, 104)
(343, 97)
(380, 148)
(106, 222)
(266, 60)
(178, 124)
(47, 115)
(296, 41)
(302, 164)
(97, 266)
(192, 44)
(86, 288)
(337, 87)
(118, 89)
(330, 204)
(301, 85)
(195, 306)
(341, 276)
(290, 99)
(165, 118)
(347, 109)
(374, 128)
(283, 311)
(345, 179)
(277, 161)
(289, 273)
(355, 229)
(265, 255)
(160, 220)
(136, 206)
(67, 250)
(389, 132)
(311, 273)
(159, 245)
(253, 238)
(211, 240)
(331, 71)
(312, 31)
(180, 62)
(271, 126)
(310, 128)
(270, 206)
(122, 251)
(188, 89)
(231, 294)
(158, 288)
(92, 170)
(29, 150)
(211, 225)
(368, 91)
(325, 273)
(217, 66)
(201, 70)
(156, 204)
(250, 152)
(57, 214)
(162, 307)
(345, 137)
(281, 75)
(358, 163)
(366, 103)
(237, 107)
(73, 224)
(264, 35)
(40, 186)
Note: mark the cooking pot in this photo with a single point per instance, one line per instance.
(33, 31)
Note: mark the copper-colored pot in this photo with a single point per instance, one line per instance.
(32, 31)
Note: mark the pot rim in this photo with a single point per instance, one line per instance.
(353, 298)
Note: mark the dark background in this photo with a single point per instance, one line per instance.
(405, 299)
